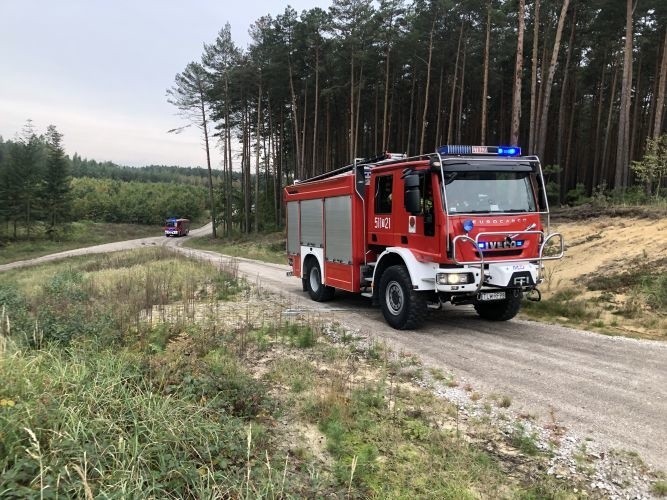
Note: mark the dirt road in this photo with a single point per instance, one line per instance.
(609, 390)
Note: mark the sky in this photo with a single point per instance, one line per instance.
(99, 69)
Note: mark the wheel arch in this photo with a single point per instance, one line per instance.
(308, 255)
(422, 274)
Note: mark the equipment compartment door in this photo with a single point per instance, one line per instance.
(311, 223)
(338, 237)
(293, 227)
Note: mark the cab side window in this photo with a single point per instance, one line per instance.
(427, 205)
(383, 194)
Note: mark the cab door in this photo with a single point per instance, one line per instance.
(423, 220)
(382, 223)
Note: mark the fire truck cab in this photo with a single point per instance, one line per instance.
(462, 225)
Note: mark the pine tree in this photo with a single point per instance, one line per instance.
(25, 171)
(189, 96)
(55, 192)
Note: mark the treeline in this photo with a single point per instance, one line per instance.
(581, 84)
(39, 195)
(108, 200)
(82, 167)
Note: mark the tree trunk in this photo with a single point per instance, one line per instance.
(598, 121)
(352, 134)
(259, 125)
(518, 68)
(438, 122)
(570, 173)
(604, 167)
(304, 113)
(428, 85)
(297, 136)
(485, 77)
(228, 138)
(662, 86)
(211, 199)
(459, 118)
(316, 110)
(450, 127)
(412, 100)
(279, 168)
(623, 142)
(357, 111)
(541, 143)
(562, 109)
(385, 126)
(533, 81)
(634, 123)
(376, 116)
(327, 147)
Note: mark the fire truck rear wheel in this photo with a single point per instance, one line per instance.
(316, 289)
(403, 308)
(502, 310)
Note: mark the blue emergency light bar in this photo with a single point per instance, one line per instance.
(455, 149)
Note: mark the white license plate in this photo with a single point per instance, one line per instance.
(484, 296)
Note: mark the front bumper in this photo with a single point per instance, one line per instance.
(521, 274)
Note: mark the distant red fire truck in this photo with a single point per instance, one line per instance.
(461, 225)
(176, 227)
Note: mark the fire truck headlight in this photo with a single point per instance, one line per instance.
(454, 278)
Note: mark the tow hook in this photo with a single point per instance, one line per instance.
(534, 295)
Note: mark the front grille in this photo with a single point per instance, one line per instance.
(501, 253)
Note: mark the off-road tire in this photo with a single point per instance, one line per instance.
(316, 289)
(402, 307)
(502, 310)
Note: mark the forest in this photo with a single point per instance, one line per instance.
(42, 189)
(580, 84)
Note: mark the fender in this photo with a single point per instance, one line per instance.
(422, 274)
(319, 255)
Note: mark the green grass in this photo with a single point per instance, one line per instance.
(121, 379)
(77, 235)
(564, 303)
(265, 247)
(648, 280)
(659, 488)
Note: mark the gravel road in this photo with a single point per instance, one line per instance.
(609, 390)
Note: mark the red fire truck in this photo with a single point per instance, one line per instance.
(174, 226)
(462, 225)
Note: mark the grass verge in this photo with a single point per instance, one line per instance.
(77, 235)
(268, 247)
(631, 301)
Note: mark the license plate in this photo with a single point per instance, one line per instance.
(484, 296)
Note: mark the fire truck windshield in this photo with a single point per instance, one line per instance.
(488, 191)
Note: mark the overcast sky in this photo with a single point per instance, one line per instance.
(98, 70)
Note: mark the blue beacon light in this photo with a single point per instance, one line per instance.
(509, 151)
(457, 149)
(468, 225)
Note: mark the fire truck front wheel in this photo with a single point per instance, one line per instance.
(402, 307)
(316, 289)
(502, 310)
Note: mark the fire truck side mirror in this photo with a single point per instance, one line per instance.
(412, 195)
